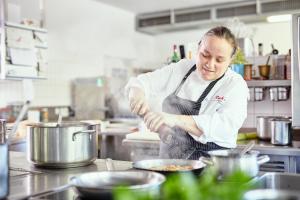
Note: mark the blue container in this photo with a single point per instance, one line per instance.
(238, 68)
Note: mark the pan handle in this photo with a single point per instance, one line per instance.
(206, 160)
(84, 131)
(263, 159)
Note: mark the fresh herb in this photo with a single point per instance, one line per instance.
(239, 57)
(186, 186)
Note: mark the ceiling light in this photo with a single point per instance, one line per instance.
(279, 18)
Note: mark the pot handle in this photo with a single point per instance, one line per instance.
(84, 131)
(263, 159)
(206, 160)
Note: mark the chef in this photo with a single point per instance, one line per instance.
(201, 102)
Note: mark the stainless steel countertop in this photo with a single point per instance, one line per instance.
(39, 180)
(264, 147)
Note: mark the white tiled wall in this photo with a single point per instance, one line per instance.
(267, 108)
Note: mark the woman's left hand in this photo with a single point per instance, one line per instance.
(154, 120)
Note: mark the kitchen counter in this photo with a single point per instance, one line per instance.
(264, 147)
(25, 179)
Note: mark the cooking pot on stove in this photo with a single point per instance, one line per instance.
(69, 144)
(228, 161)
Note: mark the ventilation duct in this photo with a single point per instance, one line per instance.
(199, 17)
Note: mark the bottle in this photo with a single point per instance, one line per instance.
(260, 49)
(182, 51)
(175, 58)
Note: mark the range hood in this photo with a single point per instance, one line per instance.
(199, 17)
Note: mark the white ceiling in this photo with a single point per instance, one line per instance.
(143, 6)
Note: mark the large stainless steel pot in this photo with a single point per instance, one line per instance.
(228, 161)
(72, 144)
(281, 131)
(263, 126)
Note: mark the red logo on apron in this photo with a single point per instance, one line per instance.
(220, 98)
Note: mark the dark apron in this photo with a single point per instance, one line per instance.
(181, 145)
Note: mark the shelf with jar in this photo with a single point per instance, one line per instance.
(23, 51)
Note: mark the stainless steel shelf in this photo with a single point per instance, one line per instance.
(268, 83)
(15, 25)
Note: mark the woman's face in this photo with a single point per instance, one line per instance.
(213, 57)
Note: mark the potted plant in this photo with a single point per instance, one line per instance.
(238, 62)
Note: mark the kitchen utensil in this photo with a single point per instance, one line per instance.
(247, 148)
(281, 131)
(258, 94)
(228, 161)
(72, 144)
(59, 120)
(247, 72)
(264, 70)
(263, 126)
(271, 194)
(279, 93)
(18, 120)
(274, 51)
(99, 185)
(155, 165)
(4, 161)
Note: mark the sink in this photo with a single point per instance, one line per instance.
(275, 186)
(280, 181)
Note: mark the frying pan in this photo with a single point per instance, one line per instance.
(197, 165)
(100, 185)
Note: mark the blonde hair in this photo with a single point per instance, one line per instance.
(225, 33)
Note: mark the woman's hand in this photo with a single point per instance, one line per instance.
(154, 120)
(137, 101)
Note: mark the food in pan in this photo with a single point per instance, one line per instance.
(172, 168)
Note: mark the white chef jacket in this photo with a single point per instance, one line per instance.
(222, 112)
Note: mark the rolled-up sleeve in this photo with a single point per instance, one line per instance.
(222, 125)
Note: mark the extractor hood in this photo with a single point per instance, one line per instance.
(200, 17)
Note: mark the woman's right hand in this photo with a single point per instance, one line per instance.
(137, 101)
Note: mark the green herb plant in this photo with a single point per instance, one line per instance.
(187, 186)
(239, 57)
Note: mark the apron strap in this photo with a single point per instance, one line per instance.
(206, 91)
(184, 79)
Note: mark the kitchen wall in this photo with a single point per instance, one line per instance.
(84, 44)
(84, 35)
(277, 33)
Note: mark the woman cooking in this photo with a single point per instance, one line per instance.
(202, 103)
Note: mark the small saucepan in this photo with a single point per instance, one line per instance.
(167, 166)
(228, 161)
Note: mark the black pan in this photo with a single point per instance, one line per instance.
(155, 164)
